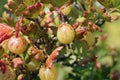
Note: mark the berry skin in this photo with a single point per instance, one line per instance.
(8, 75)
(46, 73)
(65, 33)
(17, 45)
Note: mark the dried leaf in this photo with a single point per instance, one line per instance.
(53, 56)
(5, 32)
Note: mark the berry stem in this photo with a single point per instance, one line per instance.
(17, 29)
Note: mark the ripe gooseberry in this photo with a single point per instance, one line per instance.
(17, 45)
(8, 75)
(65, 33)
(46, 73)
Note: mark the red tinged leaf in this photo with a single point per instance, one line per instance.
(17, 62)
(38, 54)
(5, 32)
(5, 28)
(55, 53)
(53, 56)
(49, 62)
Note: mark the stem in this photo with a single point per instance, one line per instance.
(62, 17)
(31, 19)
(36, 20)
(83, 7)
(17, 29)
(63, 58)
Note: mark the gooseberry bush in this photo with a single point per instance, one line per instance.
(57, 40)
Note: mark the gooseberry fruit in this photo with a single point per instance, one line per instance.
(17, 45)
(8, 75)
(46, 73)
(65, 33)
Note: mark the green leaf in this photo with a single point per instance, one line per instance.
(20, 9)
(75, 13)
(2, 2)
(61, 2)
(30, 2)
(80, 48)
